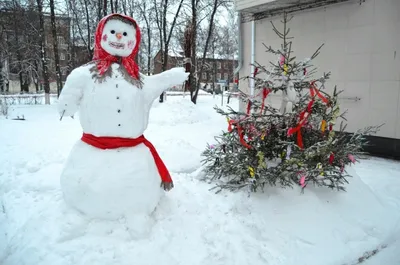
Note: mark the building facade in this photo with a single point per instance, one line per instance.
(20, 56)
(362, 45)
(215, 69)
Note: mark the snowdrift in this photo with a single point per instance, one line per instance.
(194, 225)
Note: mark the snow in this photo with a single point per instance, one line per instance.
(194, 226)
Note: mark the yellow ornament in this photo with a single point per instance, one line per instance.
(261, 160)
(285, 69)
(251, 172)
(323, 125)
(262, 136)
(319, 166)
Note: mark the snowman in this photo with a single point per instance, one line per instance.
(113, 171)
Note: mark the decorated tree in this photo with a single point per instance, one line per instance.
(300, 143)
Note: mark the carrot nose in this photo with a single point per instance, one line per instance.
(119, 35)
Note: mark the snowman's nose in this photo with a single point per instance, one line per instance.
(119, 36)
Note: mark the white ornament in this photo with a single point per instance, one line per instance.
(288, 98)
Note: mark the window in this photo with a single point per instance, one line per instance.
(60, 40)
(219, 65)
(62, 56)
(219, 76)
(204, 76)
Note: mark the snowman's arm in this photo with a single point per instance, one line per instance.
(71, 94)
(156, 84)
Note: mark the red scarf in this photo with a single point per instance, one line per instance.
(106, 142)
(104, 60)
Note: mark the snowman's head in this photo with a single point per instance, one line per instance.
(118, 37)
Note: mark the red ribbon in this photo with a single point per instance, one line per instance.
(241, 138)
(314, 91)
(249, 103)
(265, 93)
(302, 120)
(255, 72)
(240, 132)
(118, 142)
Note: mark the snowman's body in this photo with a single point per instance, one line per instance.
(109, 183)
(120, 182)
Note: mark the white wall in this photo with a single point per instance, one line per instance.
(362, 51)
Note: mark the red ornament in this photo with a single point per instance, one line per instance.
(104, 60)
(331, 158)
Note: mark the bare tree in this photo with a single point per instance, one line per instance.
(43, 52)
(165, 33)
(146, 14)
(215, 5)
(55, 47)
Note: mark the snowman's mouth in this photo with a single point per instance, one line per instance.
(117, 45)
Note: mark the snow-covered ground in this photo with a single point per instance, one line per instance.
(195, 226)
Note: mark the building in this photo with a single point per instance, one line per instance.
(362, 45)
(20, 57)
(216, 69)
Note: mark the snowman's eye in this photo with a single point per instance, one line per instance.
(112, 31)
(125, 33)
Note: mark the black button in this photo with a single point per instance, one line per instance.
(119, 111)
(116, 85)
(117, 97)
(119, 124)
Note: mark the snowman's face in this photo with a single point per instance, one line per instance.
(118, 38)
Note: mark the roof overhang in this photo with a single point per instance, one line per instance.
(270, 8)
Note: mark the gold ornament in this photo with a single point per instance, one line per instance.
(251, 172)
(285, 69)
(323, 125)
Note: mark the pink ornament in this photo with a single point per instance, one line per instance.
(282, 60)
(351, 157)
(303, 181)
(212, 146)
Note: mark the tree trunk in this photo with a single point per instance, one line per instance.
(192, 76)
(210, 30)
(43, 52)
(55, 47)
(18, 50)
(112, 6)
(167, 38)
(148, 50)
(37, 77)
(104, 7)
(188, 52)
(88, 28)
